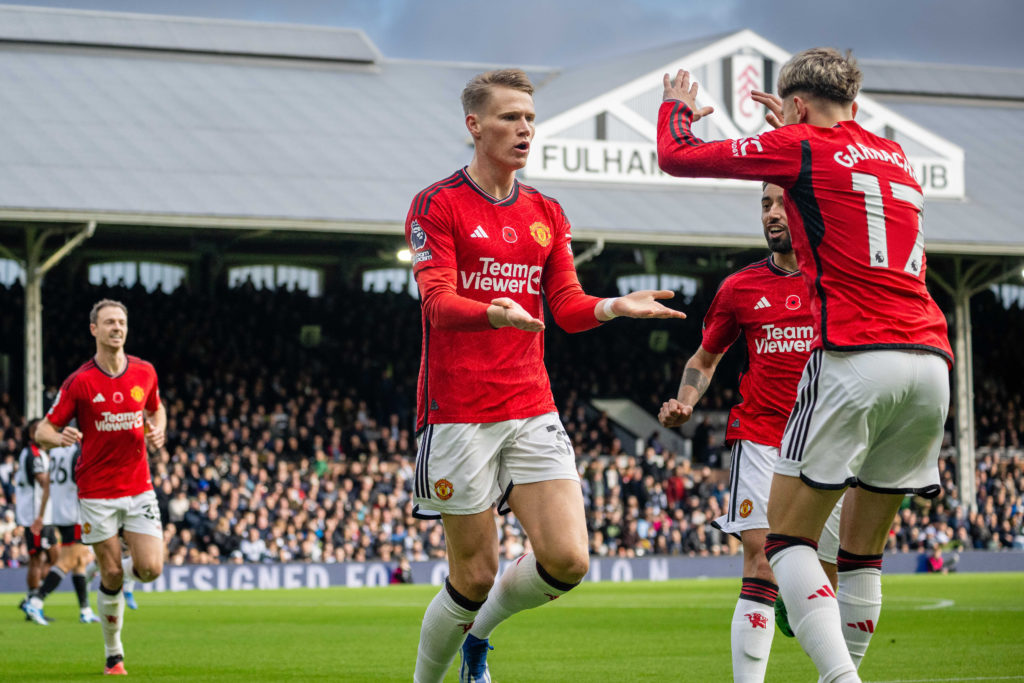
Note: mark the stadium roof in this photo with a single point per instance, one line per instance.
(182, 34)
(140, 120)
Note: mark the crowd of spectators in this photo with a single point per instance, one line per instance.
(278, 451)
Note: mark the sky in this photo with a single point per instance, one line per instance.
(571, 32)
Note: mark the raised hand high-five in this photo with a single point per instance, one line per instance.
(774, 116)
(680, 88)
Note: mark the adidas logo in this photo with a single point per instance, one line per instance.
(479, 233)
(762, 303)
(98, 398)
(867, 626)
(823, 592)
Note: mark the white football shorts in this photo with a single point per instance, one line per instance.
(868, 418)
(102, 517)
(465, 468)
(750, 482)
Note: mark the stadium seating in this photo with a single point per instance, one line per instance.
(279, 451)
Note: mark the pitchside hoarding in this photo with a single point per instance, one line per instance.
(361, 574)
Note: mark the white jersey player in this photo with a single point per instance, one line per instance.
(32, 511)
(74, 555)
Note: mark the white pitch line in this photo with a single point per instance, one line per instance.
(941, 680)
(941, 604)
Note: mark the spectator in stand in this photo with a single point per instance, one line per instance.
(219, 402)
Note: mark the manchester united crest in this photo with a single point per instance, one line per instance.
(757, 620)
(541, 234)
(746, 507)
(87, 528)
(137, 393)
(444, 489)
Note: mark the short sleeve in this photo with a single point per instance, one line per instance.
(721, 328)
(39, 463)
(63, 408)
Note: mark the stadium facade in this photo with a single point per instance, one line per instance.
(194, 141)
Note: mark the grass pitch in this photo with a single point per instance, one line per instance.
(960, 627)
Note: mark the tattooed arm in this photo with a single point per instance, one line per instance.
(696, 378)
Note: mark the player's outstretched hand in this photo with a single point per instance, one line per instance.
(644, 304)
(155, 436)
(69, 435)
(674, 414)
(774, 104)
(679, 88)
(510, 314)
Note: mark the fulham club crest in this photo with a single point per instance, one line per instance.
(747, 75)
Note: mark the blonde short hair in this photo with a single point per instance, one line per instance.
(821, 72)
(478, 90)
(103, 303)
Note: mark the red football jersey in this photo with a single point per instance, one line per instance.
(512, 247)
(110, 414)
(772, 309)
(855, 215)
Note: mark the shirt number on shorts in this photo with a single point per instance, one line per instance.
(561, 439)
(149, 513)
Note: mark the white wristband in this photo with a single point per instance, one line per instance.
(606, 308)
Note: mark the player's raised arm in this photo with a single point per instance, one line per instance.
(696, 378)
(773, 156)
(680, 88)
(773, 103)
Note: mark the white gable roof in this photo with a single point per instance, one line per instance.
(612, 137)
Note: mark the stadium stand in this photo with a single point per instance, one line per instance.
(309, 447)
(280, 452)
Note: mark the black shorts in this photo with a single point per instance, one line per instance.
(45, 540)
(70, 534)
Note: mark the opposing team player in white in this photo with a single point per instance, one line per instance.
(74, 556)
(33, 512)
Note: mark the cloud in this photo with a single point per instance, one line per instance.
(569, 32)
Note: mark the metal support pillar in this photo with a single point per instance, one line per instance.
(35, 270)
(963, 384)
(968, 281)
